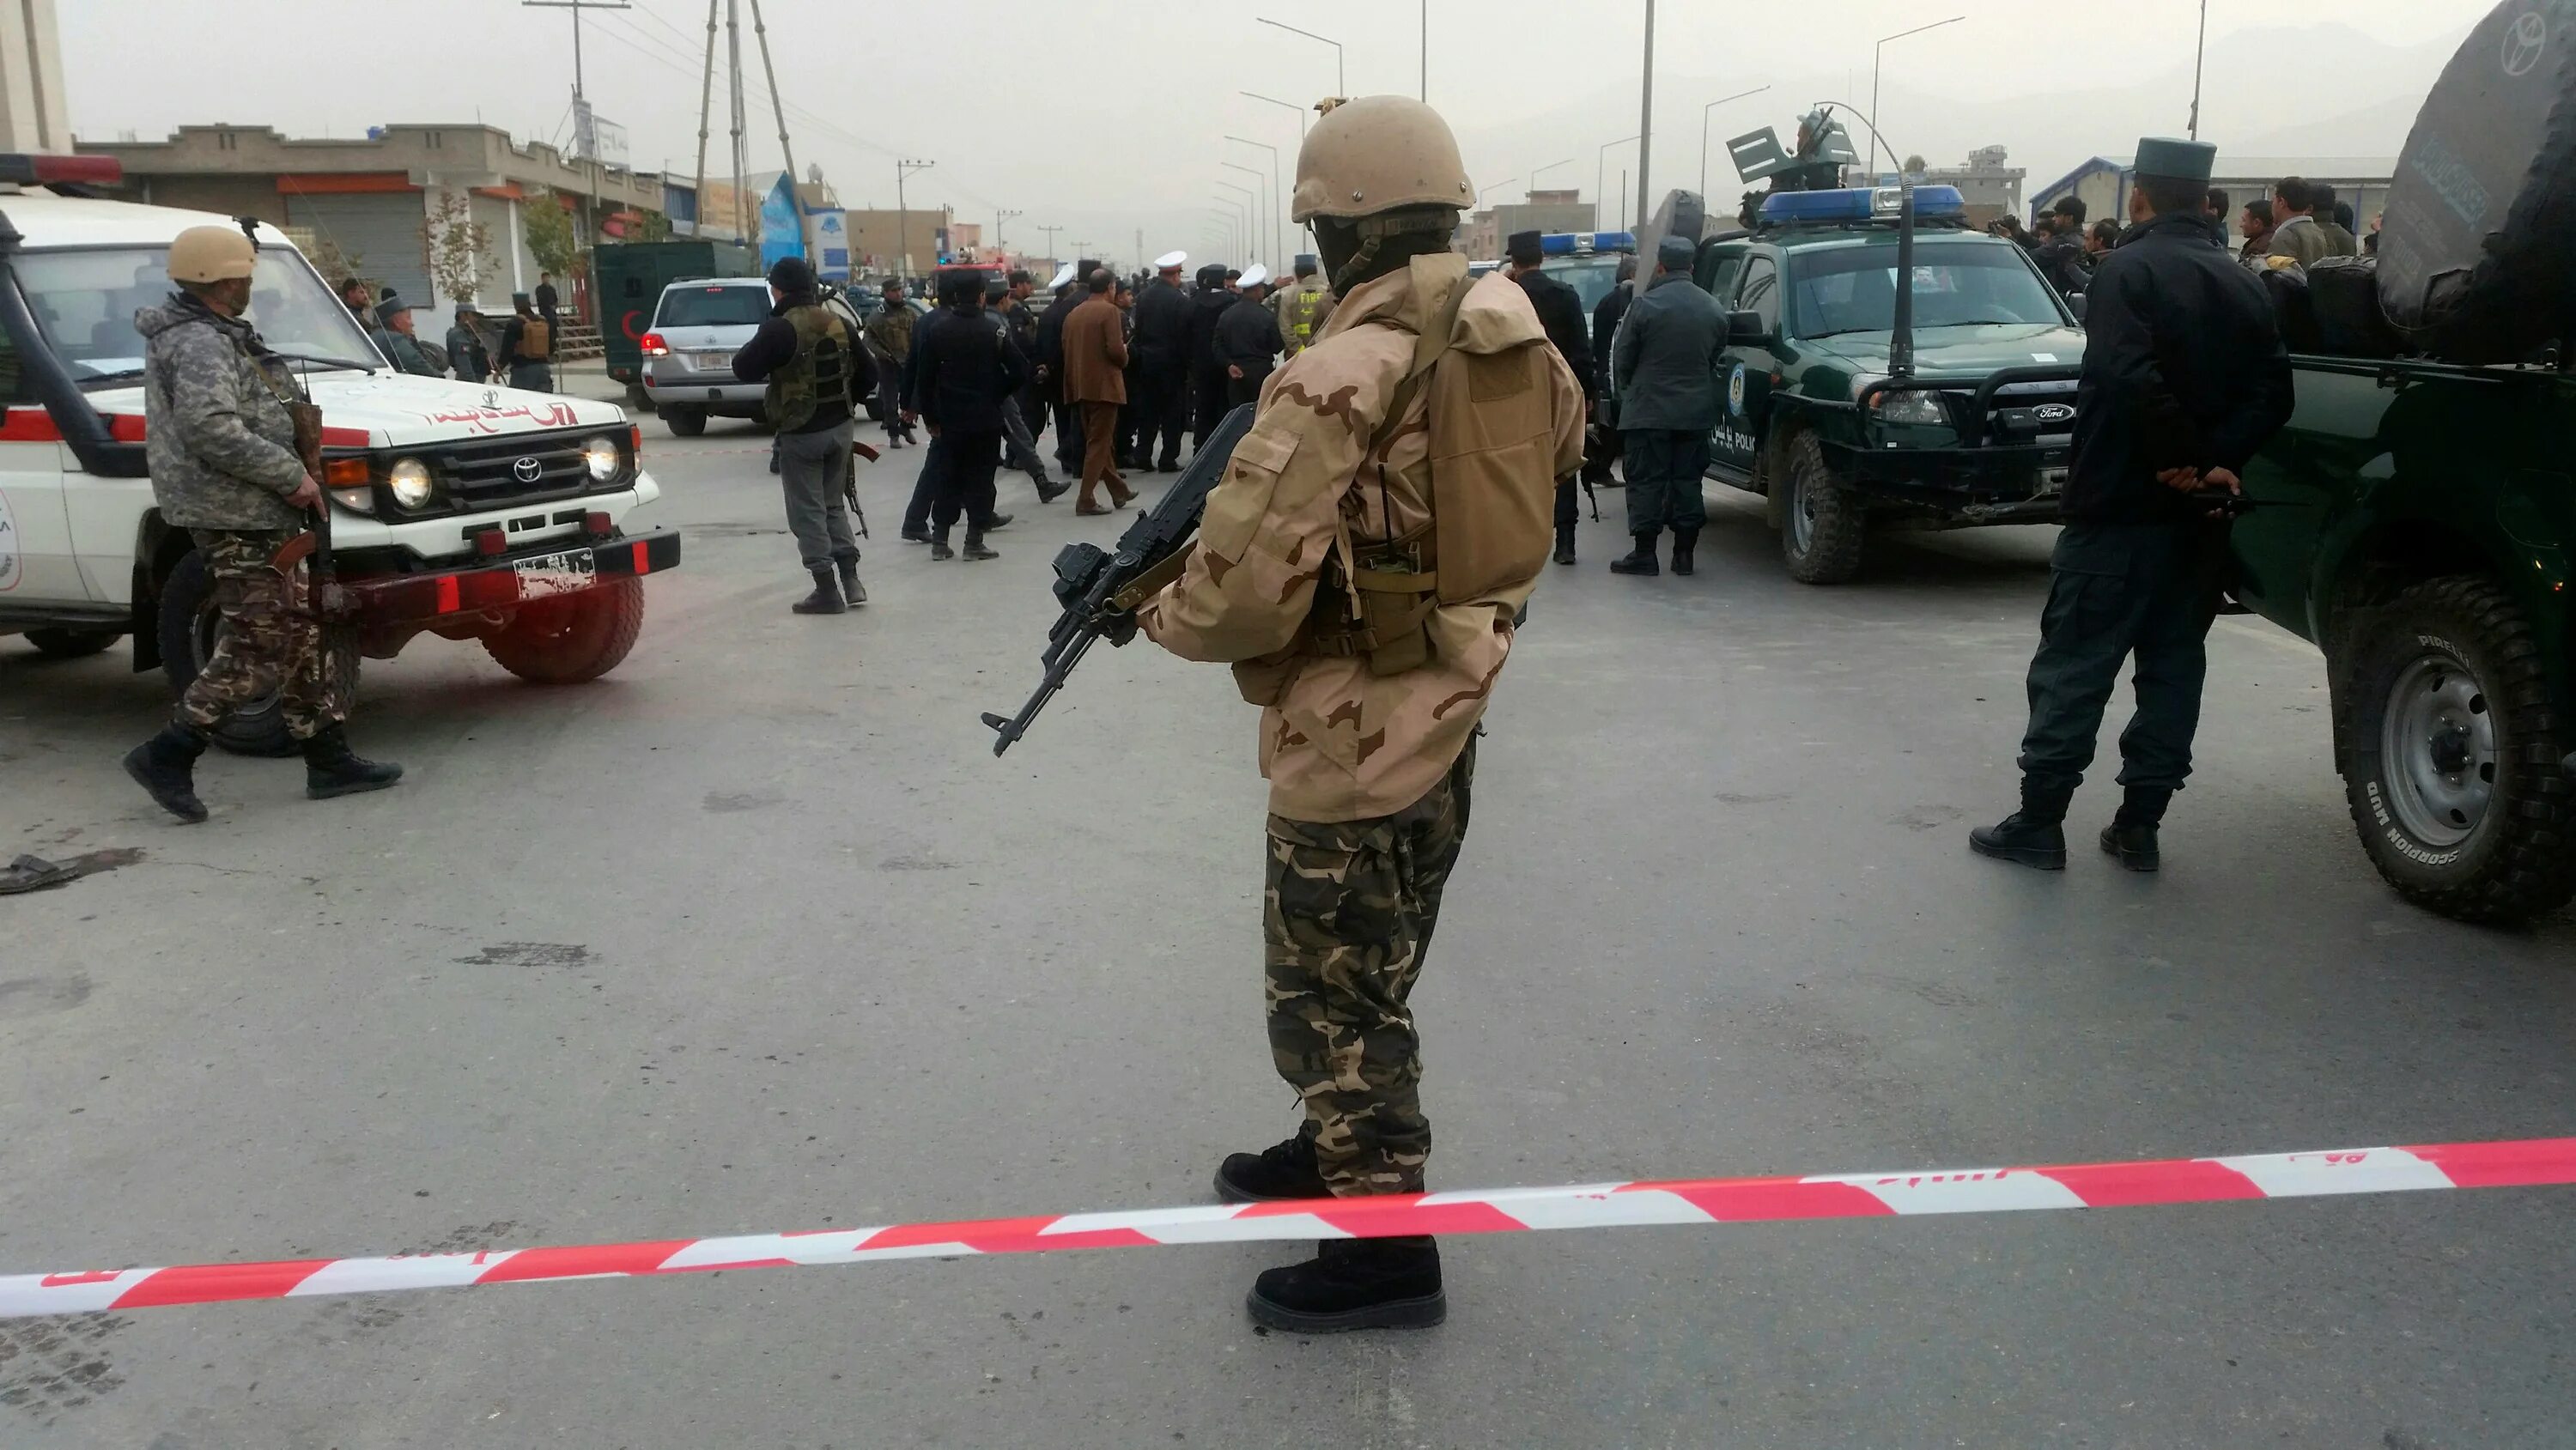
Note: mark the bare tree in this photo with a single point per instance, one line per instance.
(460, 249)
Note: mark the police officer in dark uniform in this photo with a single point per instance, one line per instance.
(1601, 442)
(1560, 311)
(1160, 354)
(2185, 378)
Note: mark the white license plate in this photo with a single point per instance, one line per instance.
(552, 574)
(2052, 478)
(711, 362)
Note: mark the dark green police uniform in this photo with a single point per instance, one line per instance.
(2183, 368)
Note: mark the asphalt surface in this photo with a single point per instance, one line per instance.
(756, 934)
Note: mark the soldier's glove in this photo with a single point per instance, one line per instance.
(1118, 626)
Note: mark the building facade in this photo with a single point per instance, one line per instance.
(32, 116)
(1483, 233)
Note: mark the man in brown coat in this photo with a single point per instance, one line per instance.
(1095, 379)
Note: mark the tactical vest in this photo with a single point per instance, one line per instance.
(1492, 490)
(536, 340)
(819, 371)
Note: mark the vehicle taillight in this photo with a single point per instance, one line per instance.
(654, 346)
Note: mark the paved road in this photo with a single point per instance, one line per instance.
(756, 934)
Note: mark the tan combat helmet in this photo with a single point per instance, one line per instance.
(1377, 153)
(211, 254)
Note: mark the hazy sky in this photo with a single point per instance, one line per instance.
(1107, 116)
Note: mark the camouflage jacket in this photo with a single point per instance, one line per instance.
(218, 440)
(891, 330)
(1339, 743)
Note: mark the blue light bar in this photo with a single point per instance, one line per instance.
(1570, 244)
(1861, 204)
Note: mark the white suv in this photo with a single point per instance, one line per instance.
(460, 510)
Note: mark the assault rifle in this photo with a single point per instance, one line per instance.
(1101, 589)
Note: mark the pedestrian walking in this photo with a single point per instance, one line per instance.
(1248, 340)
(1003, 314)
(1095, 380)
(466, 352)
(966, 372)
(219, 435)
(2184, 379)
(1665, 365)
(816, 372)
(1162, 357)
(1560, 314)
(528, 346)
(1370, 616)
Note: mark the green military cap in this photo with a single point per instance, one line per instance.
(2175, 158)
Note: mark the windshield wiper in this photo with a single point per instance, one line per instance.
(328, 362)
(117, 375)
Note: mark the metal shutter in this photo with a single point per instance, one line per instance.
(380, 232)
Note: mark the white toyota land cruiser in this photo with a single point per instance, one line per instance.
(460, 510)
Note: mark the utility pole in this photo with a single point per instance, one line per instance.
(760, 32)
(706, 103)
(2199, 58)
(1050, 242)
(903, 218)
(585, 139)
(1646, 116)
(733, 60)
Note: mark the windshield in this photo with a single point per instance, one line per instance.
(714, 307)
(1956, 284)
(85, 302)
(1590, 277)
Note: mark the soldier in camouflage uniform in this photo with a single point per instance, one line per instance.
(1370, 625)
(221, 446)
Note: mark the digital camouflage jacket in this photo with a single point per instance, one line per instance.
(219, 441)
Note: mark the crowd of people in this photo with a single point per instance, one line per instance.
(524, 343)
(2299, 222)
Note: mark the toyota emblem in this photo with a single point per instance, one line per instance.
(2052, 412)
(526, 470)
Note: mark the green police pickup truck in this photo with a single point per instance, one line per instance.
(1850, 420)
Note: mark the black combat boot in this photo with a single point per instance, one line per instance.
(1565, 543)
(851, 589)
(166, 766)
(826, 598)
(913, 535)
(2033, 836)
(993, 524)
(2131, 836)
(1280, 1171)
(940, 553)
(975, 543)
(1353, 1284)
(332, 769)
(1685, 546)
(1641, 562)
(1048, 489)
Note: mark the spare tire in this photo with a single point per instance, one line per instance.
(2479, 245)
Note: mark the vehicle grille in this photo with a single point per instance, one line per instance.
(485, 472)
(2014, 414)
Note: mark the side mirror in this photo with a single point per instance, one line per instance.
(2075, 304)
(1746, 329)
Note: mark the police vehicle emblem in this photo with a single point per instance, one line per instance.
(1735, 390)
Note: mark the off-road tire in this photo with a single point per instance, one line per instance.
(188, 624)
(568, 641)
(1836, 526)
(72, 644)
(684, 422)
(2518, 856)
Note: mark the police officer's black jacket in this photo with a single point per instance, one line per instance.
(1247, 336)
(2183, 368)
(1162, 327)
(1560, 313)
(1200, 344)
(1606, 315)
(965, 370)
(1049, 353)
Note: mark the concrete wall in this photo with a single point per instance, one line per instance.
(468, 155)
(32, 114)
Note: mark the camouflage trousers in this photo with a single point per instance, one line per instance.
(267, 646)
(1348, 915)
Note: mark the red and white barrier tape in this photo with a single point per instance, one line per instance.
(2522, 1163)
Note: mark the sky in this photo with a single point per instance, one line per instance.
(1105, 118)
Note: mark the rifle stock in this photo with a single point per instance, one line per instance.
(1099, 588)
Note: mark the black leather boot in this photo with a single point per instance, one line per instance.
(332, 769)
(826, 598)
(975, 544)
(1685, 546)
(166, 767)
(1641, 562)
(2033, 836)
(940, 553)
(2131, 836)
(1049, 490)
(1353, 1284)
(996, 522)
(851, 589)
(1280, 1171)
(1565, 543)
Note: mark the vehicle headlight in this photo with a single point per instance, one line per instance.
(409, 480)
(600, 456)
(1911, 407)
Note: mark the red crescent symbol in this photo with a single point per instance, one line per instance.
(626, 324)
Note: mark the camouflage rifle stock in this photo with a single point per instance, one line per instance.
(1100, 589)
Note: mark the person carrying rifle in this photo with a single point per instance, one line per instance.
(219, 432)
(1365, 595)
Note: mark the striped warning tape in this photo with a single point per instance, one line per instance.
(2520, 1163)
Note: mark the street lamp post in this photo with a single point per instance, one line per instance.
(1601, 175)
(903, 219)
(1876, 52)
(2199, 58)
(1258, 203)
(1646, 114)
(1310, 35)
(1703, 133)
(1244, 210)
(1279, 233)
(1302, 111)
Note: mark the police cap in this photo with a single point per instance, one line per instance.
(1674, 254)
(1523, 248)
(2176, 159)
(792, 275)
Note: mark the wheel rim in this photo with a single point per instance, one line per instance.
(211, 630)
(2438, 748)
(1802, 514)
